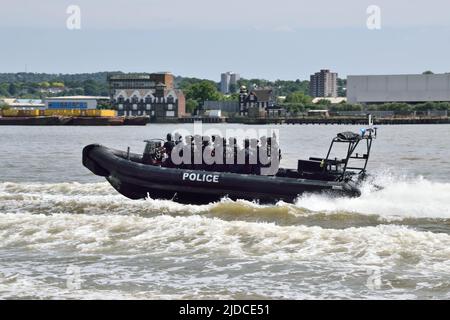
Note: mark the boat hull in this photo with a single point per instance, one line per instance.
(136, 181)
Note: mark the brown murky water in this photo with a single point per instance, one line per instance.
(65, 233)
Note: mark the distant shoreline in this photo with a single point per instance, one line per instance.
(73, 121)
(142, 121)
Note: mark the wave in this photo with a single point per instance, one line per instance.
(223, 246)
(257, 246)
(411, 200)
(399, 198)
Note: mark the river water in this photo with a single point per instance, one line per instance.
(65, 233)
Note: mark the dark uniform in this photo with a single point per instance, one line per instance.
(168, 147)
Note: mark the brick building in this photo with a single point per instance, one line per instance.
(146, 94)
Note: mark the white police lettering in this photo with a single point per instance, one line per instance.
(201, 177)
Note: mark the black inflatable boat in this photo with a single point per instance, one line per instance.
(134, 178)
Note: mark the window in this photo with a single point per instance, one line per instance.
(120, 106)
(134, 106)
(148, 107)
(170, 113)
(170, 106)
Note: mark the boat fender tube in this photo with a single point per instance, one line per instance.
(91, 164)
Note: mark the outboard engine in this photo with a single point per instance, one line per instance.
(152, 152)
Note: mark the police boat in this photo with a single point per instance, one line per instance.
(151, 175)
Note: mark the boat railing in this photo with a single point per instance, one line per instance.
(353, 142)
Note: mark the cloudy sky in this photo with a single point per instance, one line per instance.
(286, 39)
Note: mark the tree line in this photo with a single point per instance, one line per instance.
(39, 90)
(196, 90)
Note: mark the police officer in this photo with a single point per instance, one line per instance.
(168, 147)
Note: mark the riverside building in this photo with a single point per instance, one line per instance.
(409, 88)
(254, 104)
(146, 94)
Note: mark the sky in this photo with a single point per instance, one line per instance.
(283, 39)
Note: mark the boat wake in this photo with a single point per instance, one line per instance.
(410, 200)
(399, 198)
(153, 249)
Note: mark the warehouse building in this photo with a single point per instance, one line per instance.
(74, 102)
(414, 88)
(23, 104)
(230, 107)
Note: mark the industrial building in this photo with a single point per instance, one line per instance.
(65, 106)
(23, 104)
(146, 94)
(73, 102)
(413, 88)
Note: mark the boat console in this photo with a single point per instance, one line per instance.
(338, 169)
